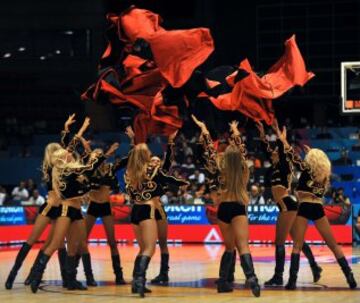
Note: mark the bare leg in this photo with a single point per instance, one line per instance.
(41, 223)
(109, 227)
(139, 238)
(79, 228)
(284, 224)
(148, 232)
(163, 277)
(61, 227)
(323, 226)
(90, 222)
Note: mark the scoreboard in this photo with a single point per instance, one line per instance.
(350, 87)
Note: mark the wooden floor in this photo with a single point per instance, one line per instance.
(193, 271)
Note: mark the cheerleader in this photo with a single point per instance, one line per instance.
(70, 180)
(105, 180)
(229, 177)
(315, 177)
(281, 178)
(162, 225)
(144, 185)
(48, 212)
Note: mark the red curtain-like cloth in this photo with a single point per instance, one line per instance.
(143, 90)
(253, 95)
(163, 120)
(177, 53)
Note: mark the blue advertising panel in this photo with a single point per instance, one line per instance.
(12, 215)
(263, 214)
(186, 214)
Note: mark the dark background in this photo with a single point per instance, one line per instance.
(63, 41)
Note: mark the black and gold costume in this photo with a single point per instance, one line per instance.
(310, 210)
(281, 174)
(227, 210)
(153, 186)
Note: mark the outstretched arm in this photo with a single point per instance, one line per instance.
(171, 180)
(236, 137)
(122, 163)
(169, 156)
(65, 133)
(210, 153)
(288, 150)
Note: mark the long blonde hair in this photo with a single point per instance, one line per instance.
(46, 164)
(61, 167)
(137, 165)
(319, 164)
(235, 174)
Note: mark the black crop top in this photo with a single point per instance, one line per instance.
(214, 181)
(77, 181)
(107, 177)
(307, 182)
(152, 187)
(282, 171)
(66, 143)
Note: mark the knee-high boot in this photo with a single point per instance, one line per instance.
(140, 275)
(347, 272)
(277, 278)
(62, 255)
(231, 276)
(29, 277)
(223, 284)
(23, 252)
(315, 268)
(163, 277)
(116, 264)
(294, 269)
(86, 259)
(136, 266)
(71, 271)
(38, 272)
(251, 279)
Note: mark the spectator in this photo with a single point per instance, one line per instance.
(36, 198)
(187, 150)
(188, 165)
(339, 197)
(198, 177)
(199, 195)
(255, 195)
(2, 195)
(20, 193)
(271, 136)
(185, 197)
(30, 185)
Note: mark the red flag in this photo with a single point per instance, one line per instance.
(253, 95)
(177, 53)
